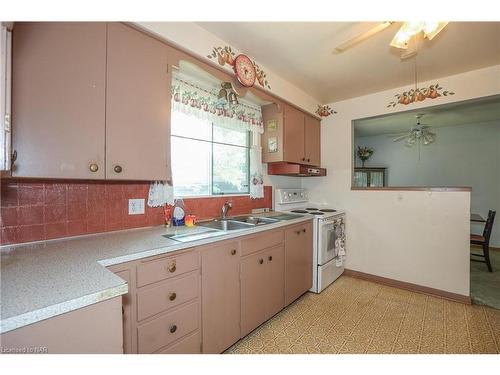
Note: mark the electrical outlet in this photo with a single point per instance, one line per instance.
(135, 206)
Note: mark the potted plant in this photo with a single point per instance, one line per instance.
(364, 153)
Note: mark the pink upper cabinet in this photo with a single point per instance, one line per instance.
(58, 97)
(137, 106)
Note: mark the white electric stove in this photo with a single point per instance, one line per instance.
(328, 234)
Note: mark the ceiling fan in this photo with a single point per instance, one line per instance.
(418, 134)
(405, 38)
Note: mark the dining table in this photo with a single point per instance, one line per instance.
(476, 218)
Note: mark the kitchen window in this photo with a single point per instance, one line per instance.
(207, 158)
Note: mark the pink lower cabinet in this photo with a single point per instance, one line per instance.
(262, 287)
(220, 270)
(298, 261)
(162, 311)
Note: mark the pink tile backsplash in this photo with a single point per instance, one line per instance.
(33, 210)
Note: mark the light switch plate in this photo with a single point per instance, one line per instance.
(135, 206)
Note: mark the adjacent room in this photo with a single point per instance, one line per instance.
(452, 146)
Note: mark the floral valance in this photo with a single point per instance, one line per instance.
(192, 99)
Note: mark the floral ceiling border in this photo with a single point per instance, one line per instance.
(419, 95)
(325, 111)
(225, 55)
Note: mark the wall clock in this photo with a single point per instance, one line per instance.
(245, 70)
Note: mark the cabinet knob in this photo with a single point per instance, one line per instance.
(118, 169)
(303, 159)
(172, 268)
(304, 230)
(173, 328)
(261, 261)
(172, 296)
(93, 167)
(233, 252)
(297, 232)
(308, 159)
(270, 258)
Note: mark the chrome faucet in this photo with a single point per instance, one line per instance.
(225, 207)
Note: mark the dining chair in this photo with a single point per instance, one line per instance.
(484, 241)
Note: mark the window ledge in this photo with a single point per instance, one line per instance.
(212, 196)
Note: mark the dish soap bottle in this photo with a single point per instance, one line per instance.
(179, 213)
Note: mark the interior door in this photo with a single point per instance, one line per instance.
(253, 292)
(312, 143)
(58, 99)
(298, 261)
(220, 296)
(137, 106)
(293, 135)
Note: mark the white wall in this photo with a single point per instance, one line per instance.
(413, 236)
(465, 155)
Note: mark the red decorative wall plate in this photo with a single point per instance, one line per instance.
(244, 70)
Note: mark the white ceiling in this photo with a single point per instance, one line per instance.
(469, 112)
(302, 53)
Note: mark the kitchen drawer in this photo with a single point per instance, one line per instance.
(164, 268)
(261, 241)
(168, 328)
(188, 345)
(151, 301)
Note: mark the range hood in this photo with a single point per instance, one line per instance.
(294, 170)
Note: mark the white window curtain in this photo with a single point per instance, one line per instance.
(202, 102)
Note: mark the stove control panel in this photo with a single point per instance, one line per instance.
(284, 196)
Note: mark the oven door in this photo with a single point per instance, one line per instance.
(326, 246)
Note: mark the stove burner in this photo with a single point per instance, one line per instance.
(299, 211)
(328, 210)
(312, 209)
(316, 213)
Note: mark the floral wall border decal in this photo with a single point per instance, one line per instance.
(419, 95)
(325, 111)
(225, 55)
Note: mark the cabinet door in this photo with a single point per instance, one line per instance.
(253, 292)
(312, 142)
(293, 135)
(298, 261)
(58, 99)
(137, 106)
(220, 270)
(275, 274)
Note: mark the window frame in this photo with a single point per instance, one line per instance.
(248, 146)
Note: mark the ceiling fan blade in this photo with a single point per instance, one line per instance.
(358, 39)
(401, 137)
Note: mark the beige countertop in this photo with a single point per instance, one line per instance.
(48, 278)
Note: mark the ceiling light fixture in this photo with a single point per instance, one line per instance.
(412, 28)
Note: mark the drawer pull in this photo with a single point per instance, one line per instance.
(173, 328)
(261, 261)
(270, 258)
(172, 296)
(233, 252)
(172, 267)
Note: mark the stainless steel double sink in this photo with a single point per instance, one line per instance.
(235, 223)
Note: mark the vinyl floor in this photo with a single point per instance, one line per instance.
(358, 316)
